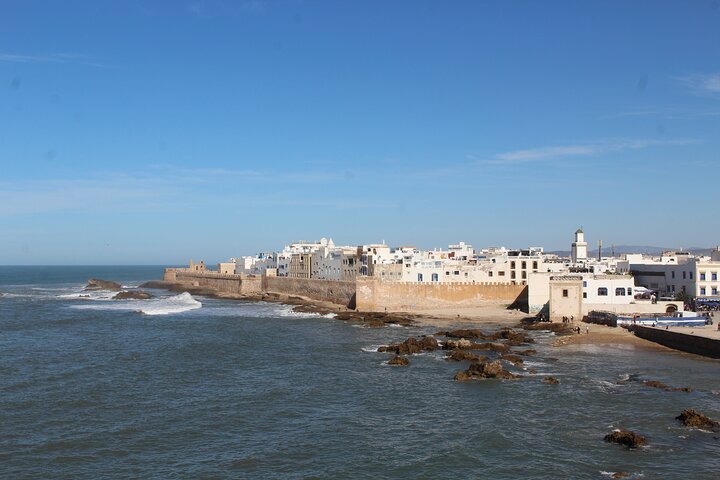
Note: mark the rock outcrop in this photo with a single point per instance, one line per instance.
(557, 328)
(514, 359)
(550, 381)
(662, 386)
(97, 284)
(133, 295)
(484, 370)
(399, 361)
(694, 419)
(464, 355)
(626, 438)
(412, 345)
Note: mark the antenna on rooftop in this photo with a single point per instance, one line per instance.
(599, 250)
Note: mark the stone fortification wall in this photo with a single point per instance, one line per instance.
(686, 342)
(224, 283)
(335, 291)
(376, 295)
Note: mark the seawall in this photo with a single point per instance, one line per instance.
(376, 295)
(367, 294)
(692, 343)
(333, 291)
(223, 283)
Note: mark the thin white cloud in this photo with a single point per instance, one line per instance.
(574, 151)
(667, 113)
(703, 84)
(74, 58)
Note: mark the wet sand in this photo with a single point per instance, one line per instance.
(601, 334)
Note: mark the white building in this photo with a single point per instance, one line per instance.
(579, 252)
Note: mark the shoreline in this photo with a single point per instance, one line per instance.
(491, 314)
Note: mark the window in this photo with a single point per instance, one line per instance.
(691, 275)
(702, 291)
(629, 291)
(620, 292)
(584, 284)
(684, 276)
(672, 274)
(702, 276)
(512, 264)
(584, 294)
(447, 273)
(565, 292)
(524, 265)
(501, 274)
(535, 265)
(512, 274)
(672, 288)
(524, 274)
(435, 277)
(713, 277)
(714, 290)
(490, 274)
(456, 272)
(602, 292)
(419, 277)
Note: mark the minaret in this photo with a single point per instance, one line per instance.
(579, 247)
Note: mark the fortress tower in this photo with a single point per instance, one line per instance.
(579, 250)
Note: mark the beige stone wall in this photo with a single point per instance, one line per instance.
(335, 291)
(236, 284)
(566, 299)
(376, 295)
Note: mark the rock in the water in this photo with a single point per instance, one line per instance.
(97, 284)
(660, 385)
(550, 381)
(458, 344)
(464, 355)
(133, 294)
(694, 419)
(527, 352)
(465, 333)
(428, 344)
(492, 369)
(557, 328)
(626, 438)
(399, 361)
(411, 345)
(514, 359)
(620, 475)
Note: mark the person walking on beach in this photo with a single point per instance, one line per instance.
(587, 330)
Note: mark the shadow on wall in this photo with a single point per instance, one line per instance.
(521, 302)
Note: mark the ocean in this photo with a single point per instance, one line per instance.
(192, 387)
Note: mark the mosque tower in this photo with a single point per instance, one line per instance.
(579, 250)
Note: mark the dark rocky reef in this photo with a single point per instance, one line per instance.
(550, 381)
(662, 386)
(557, 328)
(626, 438)
(412, 345)
(484, 370)
(133, 295)
(399, 361)
(464, 355)
(694, 419)
(97, 284)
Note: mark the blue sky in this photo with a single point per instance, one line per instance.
(153, 132)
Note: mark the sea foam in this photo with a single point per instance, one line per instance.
(158, 306)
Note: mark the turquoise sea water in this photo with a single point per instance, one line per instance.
(95, 388)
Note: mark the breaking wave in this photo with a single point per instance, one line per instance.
(159, 306)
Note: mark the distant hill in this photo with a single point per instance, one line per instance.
(648, 250)
(619, 250)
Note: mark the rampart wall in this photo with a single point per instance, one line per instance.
(376, 295)
(334, 291)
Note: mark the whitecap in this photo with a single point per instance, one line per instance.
(158, 306)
